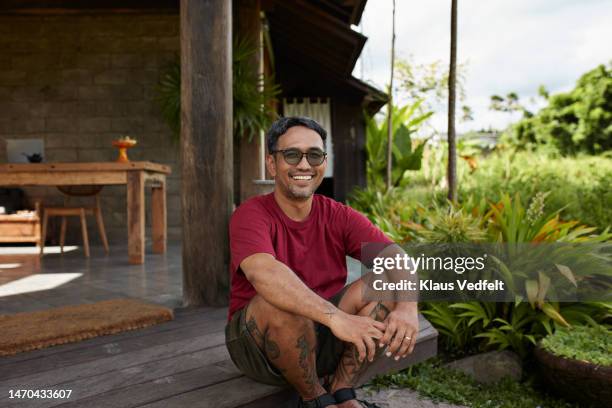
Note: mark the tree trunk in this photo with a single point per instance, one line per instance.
(390, 107)
(206, 148)
(452, 148)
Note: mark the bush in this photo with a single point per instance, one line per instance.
(573, 122)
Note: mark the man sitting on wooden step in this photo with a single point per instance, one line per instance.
(291, 317)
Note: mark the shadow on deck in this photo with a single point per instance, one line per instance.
(181, 363)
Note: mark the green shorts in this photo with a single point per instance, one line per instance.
(253, 363)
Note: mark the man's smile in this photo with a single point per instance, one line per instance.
(306, 177)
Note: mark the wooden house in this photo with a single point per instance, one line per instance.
(76, 75)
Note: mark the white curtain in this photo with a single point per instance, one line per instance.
(319, 111)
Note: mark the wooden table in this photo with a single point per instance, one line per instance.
(133, 174)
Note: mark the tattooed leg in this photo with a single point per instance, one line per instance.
(289, 343)
(350, 368)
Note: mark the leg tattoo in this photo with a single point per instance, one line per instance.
(270, 347)
(290, 347)
(251, 326)
(350, 368)
(309, 374)
(265, 343)
(380, 312)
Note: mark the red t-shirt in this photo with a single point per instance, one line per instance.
(315, 249)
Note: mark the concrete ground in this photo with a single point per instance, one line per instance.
(29, 283)
(400, 398)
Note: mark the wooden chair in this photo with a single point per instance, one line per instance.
(81, 212)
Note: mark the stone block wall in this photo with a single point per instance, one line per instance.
(80, 81)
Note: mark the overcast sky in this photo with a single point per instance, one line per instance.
(510, 45)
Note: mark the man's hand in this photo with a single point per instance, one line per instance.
(358, 330)
(402, 327)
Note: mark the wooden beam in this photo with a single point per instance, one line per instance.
(59, 7)
(206, 148)
(86, 167)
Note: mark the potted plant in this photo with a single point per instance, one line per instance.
(576, 363)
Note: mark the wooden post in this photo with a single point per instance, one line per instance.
(206, 148)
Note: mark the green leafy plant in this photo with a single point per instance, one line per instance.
(406, 156)
(579, 186)
(452, 224)
(253, 94)
(467, 327)
(169, 96)
(457, 332)
(592, 344)
(471, 326)
(511, 223)
(441, 384)
(388, 211)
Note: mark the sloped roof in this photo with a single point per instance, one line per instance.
(317, 33)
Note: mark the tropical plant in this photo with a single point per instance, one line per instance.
(519, 325)
(469, 326)
(466, 327)
(169, 96)
(253, 94)
(452, 224)
(405, 123)
(388, 211)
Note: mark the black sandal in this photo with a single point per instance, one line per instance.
(347, 394)
(321, 401)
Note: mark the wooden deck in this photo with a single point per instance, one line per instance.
(181, 363)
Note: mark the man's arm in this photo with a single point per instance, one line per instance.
(281, 287)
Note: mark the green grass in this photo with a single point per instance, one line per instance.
(579, 185)
(591, 344)
(441, 384)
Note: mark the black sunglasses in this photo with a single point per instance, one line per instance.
(314, 157)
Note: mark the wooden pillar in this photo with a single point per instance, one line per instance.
(206, 149)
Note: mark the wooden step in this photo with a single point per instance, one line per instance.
(176, 364)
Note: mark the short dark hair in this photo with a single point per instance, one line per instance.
(282, 125)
